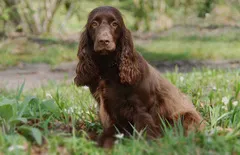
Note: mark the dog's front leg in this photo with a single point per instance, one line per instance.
(107, 139)
(144, 121)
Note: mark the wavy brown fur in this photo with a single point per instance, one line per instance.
(129, 91)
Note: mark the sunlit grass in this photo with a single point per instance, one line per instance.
(195, 49)
(215, 93)
(24, 51)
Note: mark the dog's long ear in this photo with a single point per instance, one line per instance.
(129, 67)
(86, 69)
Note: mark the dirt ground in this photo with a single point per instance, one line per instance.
(37, 75)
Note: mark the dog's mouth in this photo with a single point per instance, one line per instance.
(104, 51)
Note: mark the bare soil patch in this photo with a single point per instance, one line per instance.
(36, 75)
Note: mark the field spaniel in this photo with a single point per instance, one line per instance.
(131, 94)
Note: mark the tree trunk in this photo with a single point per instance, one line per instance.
(51, 8)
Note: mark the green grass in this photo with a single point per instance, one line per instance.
(56, 118)
(48, 51)
(187, 50)
(174, 46)
(184, 46)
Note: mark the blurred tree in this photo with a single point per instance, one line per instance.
(142, 11)
(38, 17)
(35, 17)
(13, 12)
(72, 7)
(205, 7)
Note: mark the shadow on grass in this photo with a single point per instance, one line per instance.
(220, 38)
(162, 56)
(51, 41)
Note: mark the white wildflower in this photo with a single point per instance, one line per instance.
(224, 107)
(85, 87)
(214, 88)
(48, 95)
(235, 103)
(119, 136)
(16, 147)
(181, 78)
(225, 100)
(69, 110)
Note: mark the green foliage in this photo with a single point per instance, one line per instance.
(32, 134)
(142, 11)
(205, 8)
(41, 17)
(15, 115)
(5, 14)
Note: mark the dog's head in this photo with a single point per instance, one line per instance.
(105, 27)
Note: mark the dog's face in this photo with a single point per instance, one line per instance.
(104, 28)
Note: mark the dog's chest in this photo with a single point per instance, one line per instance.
(113, 102)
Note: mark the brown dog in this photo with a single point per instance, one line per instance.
(129, 91)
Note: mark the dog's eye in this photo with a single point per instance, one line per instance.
(94, 24)
(114, 24)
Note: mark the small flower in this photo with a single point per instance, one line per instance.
(214, 88)
(70, 110)
(16, 147)
(181, 78)
(85, 87)
(235, 103)
(225, 100)
(224, 107)
(48, 95)
(119, 136)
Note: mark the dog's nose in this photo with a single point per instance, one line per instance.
(104, 41)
